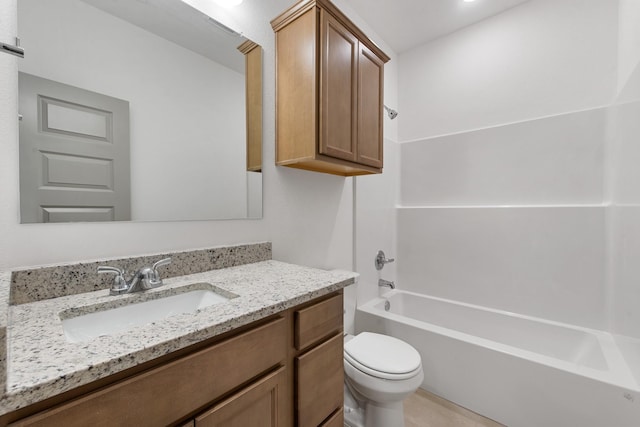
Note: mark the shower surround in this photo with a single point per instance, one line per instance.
(517, 191)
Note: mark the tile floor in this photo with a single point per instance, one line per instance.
(423, 409)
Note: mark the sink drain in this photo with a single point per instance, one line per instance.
(387, 306)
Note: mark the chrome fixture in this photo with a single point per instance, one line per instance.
(12, 49)
(144, 279)
(391, 112)
(381, 260)
(386, 283)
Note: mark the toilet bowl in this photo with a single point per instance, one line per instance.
(380, 372)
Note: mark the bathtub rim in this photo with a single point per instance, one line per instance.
(619, 373)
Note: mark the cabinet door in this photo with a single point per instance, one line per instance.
(370, 82)
(336, 420)
(338, 89)
(320, 382)
(258, 405)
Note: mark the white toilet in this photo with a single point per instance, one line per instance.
(380, 372)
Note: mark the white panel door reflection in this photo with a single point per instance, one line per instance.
(74, 154)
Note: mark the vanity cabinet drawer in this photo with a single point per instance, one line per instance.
(257, 405)
(163, 395)
(335, 420)
(321, 320)
(320, 382)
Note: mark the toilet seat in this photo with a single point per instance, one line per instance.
(382, 356)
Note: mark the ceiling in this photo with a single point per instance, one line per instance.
(406, 24)
(181, 24)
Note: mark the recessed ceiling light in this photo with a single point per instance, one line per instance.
(468, 1)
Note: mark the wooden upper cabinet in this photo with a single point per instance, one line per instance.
(329, 92)
(370, 90)
(339, 68)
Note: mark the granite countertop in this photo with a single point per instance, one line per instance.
(41, 363)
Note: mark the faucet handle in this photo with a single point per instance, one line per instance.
(160, 263)
(119, 282)
(381, 260)
(155, 279)
(109, 269)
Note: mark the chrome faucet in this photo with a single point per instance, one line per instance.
(144, 279)
(386, 283)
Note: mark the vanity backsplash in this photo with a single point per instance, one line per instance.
(36, 284)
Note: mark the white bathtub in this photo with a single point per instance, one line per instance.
(518, 370)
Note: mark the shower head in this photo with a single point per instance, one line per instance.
(391, 112)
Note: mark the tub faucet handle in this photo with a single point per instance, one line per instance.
(381, 260)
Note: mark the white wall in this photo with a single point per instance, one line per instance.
(375, 224)
(541, 58)
(187, 120)
(624, 175)
(502, 161)
(254, 194)
(554, 160)
(539, 261)
(509, 217)
(307, 216)
(628, 41)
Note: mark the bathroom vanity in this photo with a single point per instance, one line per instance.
(269, 355)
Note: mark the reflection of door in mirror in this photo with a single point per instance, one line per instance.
(74, 154)
(184, 80)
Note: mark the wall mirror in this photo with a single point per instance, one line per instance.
(136, 110)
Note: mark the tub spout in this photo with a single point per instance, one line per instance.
(386, 283)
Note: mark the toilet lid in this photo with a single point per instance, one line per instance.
(382, 354)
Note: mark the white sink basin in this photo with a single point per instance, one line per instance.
(115, 320)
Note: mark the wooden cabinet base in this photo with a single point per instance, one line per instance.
(164, 395)
(242, 379)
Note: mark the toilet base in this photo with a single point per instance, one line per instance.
(371, 414)
(384, 414)
(353, 410)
